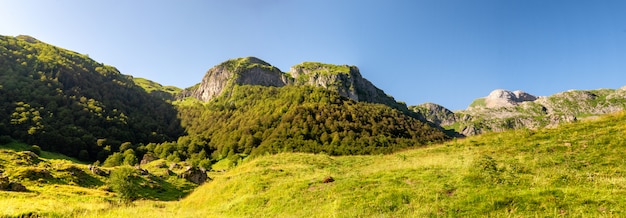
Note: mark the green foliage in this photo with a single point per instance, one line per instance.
(115, 159)
(254, 120)
(35, 149)
(130, 158)
(122, 181)
(63, 101)
(479, 102)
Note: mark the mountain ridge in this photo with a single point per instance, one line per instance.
(502, 110)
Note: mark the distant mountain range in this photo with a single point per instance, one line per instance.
(504, 110)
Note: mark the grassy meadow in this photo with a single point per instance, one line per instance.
(575, 170)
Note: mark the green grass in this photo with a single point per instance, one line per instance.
(479, 102)
(59, 186)
(574, 170)
(151, 86)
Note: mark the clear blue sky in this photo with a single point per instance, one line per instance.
(443, 51)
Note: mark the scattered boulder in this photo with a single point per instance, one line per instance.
(194, 174)
(147, 158)
(175, 166)
(141, 170)
(328, 179)
(6, 185)
(96, 170)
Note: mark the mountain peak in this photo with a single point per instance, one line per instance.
(238, 71)
(505, 98)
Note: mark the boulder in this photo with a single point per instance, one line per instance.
(142, 171)
(6, 185)
(96, 170)
(194, 174)
(147, 158)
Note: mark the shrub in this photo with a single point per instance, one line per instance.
(35, 149)
(122, 181)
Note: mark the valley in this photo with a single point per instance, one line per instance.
(80, 139)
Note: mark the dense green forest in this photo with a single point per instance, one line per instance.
(66, 102)
(254, 120)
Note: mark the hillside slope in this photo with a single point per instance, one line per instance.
(66, 102)
(245, 106)
(503, 110)
(573, 170)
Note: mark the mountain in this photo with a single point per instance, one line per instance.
(243, 71)
(343, 79)
(66, 102)
(245, 106)
(502, 110)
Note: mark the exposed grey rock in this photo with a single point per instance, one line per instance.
(147, 158)
(344, 79)
(505, 110)
(142, 171)
(241, 71)
(194, 174)
(96, 170)
(435, 113)
(504, 98)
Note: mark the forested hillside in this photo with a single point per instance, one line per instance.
(258, 119)
(66, 102)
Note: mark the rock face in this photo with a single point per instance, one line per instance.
(344, 79)
(195, 174)
(505, 98)
(435, 113)
(241, 71)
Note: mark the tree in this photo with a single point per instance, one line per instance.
(122, 181)
(130, 158)
(115, 159)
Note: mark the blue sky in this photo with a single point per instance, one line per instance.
(443, 51)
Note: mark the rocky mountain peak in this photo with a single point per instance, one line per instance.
(506, 98)
(240, 71)
(435, 113)
(344, 79)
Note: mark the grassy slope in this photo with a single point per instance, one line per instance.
(61, 186)
(577, 169)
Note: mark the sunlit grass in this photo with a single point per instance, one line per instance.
(574, 170)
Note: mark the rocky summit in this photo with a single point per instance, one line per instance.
(504, 98)
(343, 79)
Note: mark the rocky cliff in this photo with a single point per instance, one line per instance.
(503, 110)
(240, 71)
(343, 79)
(435, 113)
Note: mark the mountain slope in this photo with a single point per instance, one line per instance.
(573, 169)
(502, 110)
(64, 101)
(247, 107)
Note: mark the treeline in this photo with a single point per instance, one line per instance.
(65, 102)
(256, 120)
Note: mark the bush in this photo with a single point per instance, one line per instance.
(122, 181)
(35, 149)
